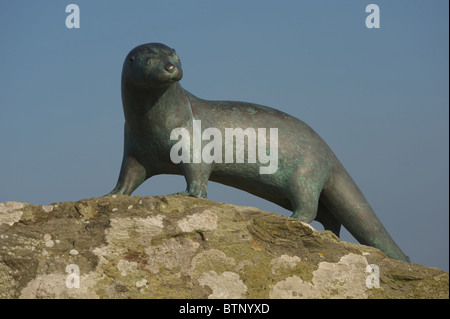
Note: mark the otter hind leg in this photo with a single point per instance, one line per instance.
(327, 219)
(305, 203)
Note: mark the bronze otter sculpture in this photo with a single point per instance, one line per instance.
(308, 178)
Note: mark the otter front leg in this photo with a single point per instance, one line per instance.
(196, 176)
(132, 174)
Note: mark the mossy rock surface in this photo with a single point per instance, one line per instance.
(182, 247)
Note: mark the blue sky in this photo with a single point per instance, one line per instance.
(378, 97)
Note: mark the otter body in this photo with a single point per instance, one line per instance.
(309, 179)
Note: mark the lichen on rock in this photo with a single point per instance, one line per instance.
(184, 247)
(10, 212)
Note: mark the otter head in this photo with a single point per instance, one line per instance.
(152, 66)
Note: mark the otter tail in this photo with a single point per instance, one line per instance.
(347, 204)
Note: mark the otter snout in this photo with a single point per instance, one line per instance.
(174, 70)
(169, 67)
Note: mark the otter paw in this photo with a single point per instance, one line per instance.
(186, 193)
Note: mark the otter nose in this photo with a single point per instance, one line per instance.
(169, 67)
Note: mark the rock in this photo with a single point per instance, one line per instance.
(184, 247)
